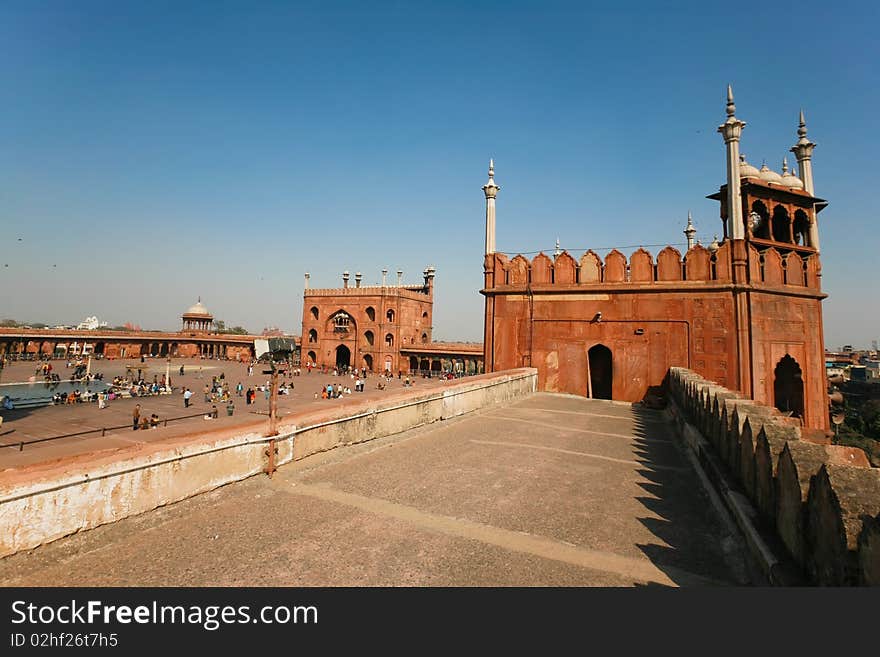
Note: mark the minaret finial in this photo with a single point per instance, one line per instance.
(784, 165)
(491, 167)
(802, 129)
(731, 108)
(690, 231)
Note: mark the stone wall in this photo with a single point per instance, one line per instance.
(42, 503)
(821, 501)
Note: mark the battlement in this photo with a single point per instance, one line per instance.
(823, 501)
(768, 267)
(414, 292)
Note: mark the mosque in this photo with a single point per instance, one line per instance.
(745, 312)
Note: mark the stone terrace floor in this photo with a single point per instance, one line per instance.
(551, 490)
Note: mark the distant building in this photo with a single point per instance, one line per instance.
(383, 328)
(196, 339)
(91, 324)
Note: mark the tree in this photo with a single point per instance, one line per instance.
(238, 330)
(220, 325)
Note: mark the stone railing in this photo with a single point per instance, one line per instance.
(822, 502)
(47, 501)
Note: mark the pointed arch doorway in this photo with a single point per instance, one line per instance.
(343, 356)
(600, 372)
(788, 387)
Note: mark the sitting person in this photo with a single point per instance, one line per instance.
(154, 421)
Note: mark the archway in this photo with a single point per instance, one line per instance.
(313, 358)
(343, 356)
(368, 362)
(388, 363)
(788, 387)
(413, 364)
(99, 349)
(601, 372)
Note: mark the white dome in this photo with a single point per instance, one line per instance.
(197, 309)
(792, 181)
(746, 170)
(770, 176)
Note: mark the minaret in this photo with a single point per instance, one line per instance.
(490, 189)
(803, 151)
(690, 231)
(558, 250)
(731, 130)
(307, 280)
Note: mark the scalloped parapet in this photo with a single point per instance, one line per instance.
(769, 268)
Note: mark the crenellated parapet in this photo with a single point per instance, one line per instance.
(769, 268)
(822, 501)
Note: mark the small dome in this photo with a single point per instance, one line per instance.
(197, 309)
(792, 181)
(746, 170)
(770, 176)
(788, 178)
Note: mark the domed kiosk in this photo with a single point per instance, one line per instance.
(197, 318)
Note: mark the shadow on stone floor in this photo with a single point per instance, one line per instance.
(693, 538)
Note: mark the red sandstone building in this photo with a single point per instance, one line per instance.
(745, 313)
(195, 339)
(380, 328)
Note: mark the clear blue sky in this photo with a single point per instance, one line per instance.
(154, 152)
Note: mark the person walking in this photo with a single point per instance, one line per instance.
(207, 393)
(187, 394)
(135, 417)
(239, 388)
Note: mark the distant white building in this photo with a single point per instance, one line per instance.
(90, 324)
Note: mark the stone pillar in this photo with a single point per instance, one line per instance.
(345, 276)
(490, 189)
(399, 277)
(306, 283)
(384, 277)
(803, 151)
(357, 279)
(731, 130)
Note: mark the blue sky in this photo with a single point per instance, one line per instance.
(154, 152)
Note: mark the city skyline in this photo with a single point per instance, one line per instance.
(155, 156)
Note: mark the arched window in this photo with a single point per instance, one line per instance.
(759, 221)
(371, 314)
(314, 312)
(313, 358)
(369, 337)
(389, 340)
(424, 338)
(425, 315)
(390, 315)
(781, 225)
(341, 323)
(313, 335)
(801, 228)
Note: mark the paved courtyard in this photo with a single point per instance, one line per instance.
(37, 423)
(551, 490)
